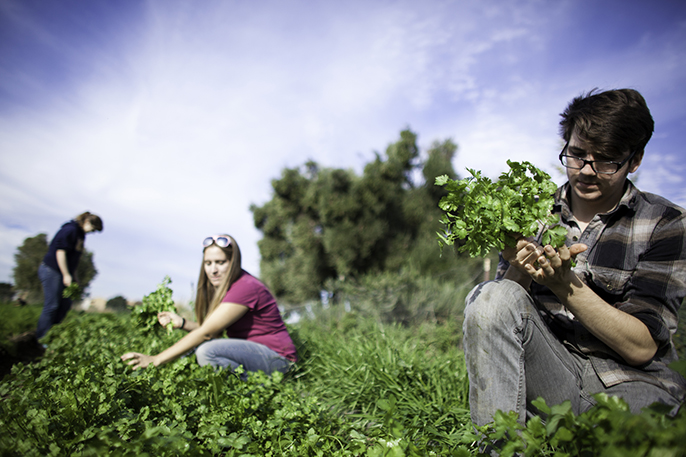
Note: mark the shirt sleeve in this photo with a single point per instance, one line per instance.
(65, 238)
(658, 283)
(242, 292)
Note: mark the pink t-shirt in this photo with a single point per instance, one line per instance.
(262, 323)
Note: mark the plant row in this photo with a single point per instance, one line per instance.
(361, 388)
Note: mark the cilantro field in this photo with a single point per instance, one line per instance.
(362, 387)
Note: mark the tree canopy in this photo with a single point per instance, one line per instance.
(325, 223)
(29, 257)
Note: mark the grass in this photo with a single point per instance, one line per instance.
(362, 387)
(360, 369)
(18, 319)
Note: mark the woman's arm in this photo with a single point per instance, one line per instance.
(61, 256)
(222, 317)
(177, 321)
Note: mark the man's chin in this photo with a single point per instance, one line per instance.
(587, 194)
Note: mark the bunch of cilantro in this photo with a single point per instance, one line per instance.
(481, 215)
(73, 291)
(145, 315)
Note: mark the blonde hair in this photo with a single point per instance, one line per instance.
(208, 297)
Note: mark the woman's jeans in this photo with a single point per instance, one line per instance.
(233, 352)
(55, 307)
(513, 358)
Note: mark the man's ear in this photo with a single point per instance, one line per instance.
(636, 161)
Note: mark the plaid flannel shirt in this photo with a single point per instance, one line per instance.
(636, 262)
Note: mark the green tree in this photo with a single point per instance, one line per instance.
(29, 257)
(117, 304)
(6, 292)
(27, 260)
(328, 223)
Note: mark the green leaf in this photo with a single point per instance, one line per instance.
(484, 214)
(73, 291)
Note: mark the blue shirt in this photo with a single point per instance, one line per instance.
(69, 238)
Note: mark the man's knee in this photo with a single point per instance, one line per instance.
(491, 302)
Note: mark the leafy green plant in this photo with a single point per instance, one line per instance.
(607, 429)
(80, 399)
(145, 315)
(369, 389)
(73, 291)
(18, 319)
(488, 215)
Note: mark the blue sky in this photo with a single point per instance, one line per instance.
(170, 118)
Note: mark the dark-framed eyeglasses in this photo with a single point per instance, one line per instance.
(602, 167)
(220, 240)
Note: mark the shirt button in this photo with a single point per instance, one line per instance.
(609, 287)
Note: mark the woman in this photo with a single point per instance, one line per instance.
(58, 269)
(228, 299)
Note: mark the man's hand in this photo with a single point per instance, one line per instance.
(553, 268)
(525, 252)
(531, 261)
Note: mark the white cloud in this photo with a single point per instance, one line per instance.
(183, 122)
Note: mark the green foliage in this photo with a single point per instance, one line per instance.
(80, 399)
(325, 223)
(27, 260)
(16, 320)
(145, 314)
(607, 429)
(407, 297)
(117, 304)
(372, 370)
(491, 215)
(73, 291)
(29, 257)
(367, 389)
(6, 292)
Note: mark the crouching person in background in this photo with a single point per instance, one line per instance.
(229, 300)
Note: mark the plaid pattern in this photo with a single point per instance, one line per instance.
(635, 261)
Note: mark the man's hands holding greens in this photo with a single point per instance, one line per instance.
(544, 264)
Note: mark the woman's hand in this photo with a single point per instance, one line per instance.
(67, 280)
(166, 317)
(138, 360)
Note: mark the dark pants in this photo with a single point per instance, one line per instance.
(55, 307)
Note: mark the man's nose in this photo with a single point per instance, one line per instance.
(588, 169)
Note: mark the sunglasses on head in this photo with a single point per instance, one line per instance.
(220, 240)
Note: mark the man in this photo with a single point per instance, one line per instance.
(546, 327)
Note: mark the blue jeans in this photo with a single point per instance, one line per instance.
(513, 358)
(55, 307)
(233, 352)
